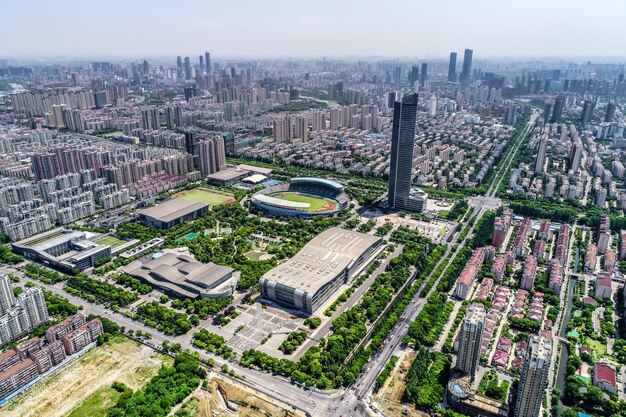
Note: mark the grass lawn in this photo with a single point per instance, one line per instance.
(316, 204)
(599, 348)
(97, 404)
(110, 240)
(200, 195)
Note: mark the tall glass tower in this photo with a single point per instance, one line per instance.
(402, 140)
(466, 75)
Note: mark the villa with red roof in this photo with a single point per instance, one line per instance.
(605, 377)
(603, 286)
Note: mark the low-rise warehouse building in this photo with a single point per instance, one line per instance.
(307, 280)
(172, 212)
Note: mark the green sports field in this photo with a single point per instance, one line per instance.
(110, 240)
(201, 195)
(316, 203)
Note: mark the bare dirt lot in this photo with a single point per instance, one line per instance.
(224, 397)
(86, 380)
(389, 397)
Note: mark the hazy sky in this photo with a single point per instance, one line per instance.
(144, 28)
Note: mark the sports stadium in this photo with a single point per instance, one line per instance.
(302, 197)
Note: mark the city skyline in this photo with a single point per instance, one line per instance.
(274, 30)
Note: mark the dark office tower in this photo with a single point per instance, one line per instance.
(565, 85)
(413, 75)
(187, 68)
(620, 79)
(190, 92)
(587, 113)
(547, 109)
(100, 99)
(391, 98)
(207, 62)
(179, 63)
(610, 111)
(201, 59)
(146, 67)
(452, 67)
(546, 86)
(402, 141)
(397, 75)
(557, 112)
(423, 74)
(466, 74)
(191, 141)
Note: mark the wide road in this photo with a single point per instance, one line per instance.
(365, 383)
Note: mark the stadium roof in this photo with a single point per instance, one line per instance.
(255, 169)
(279, 202)
(172, 209)
(255, 179)
(329, 183)
(320, 260)
(180, 273)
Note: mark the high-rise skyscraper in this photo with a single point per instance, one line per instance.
(534, 377)
(587, 113)
(610, 111)
(212, 155)
(466, 74)
(32, 301)
(397, 75)
(540, 160)
(470, 338)
(187, 68)
(414, 75)
(557, 112)
(207, 62)
(423, 74)
(452, 67)
(575, 154)
(7, 299)
(201, 60)
(401, 166)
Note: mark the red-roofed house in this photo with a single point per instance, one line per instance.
(540, 249)
(589, 300)
(529, 273)
(466, 279)
(500, 359)
(605, 377)
(603, 286)
(498, 267)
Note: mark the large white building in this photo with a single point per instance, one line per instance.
(307, 280)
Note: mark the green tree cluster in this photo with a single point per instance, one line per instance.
(95, 290)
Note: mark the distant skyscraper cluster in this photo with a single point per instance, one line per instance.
(466, 76)
(187, 71)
